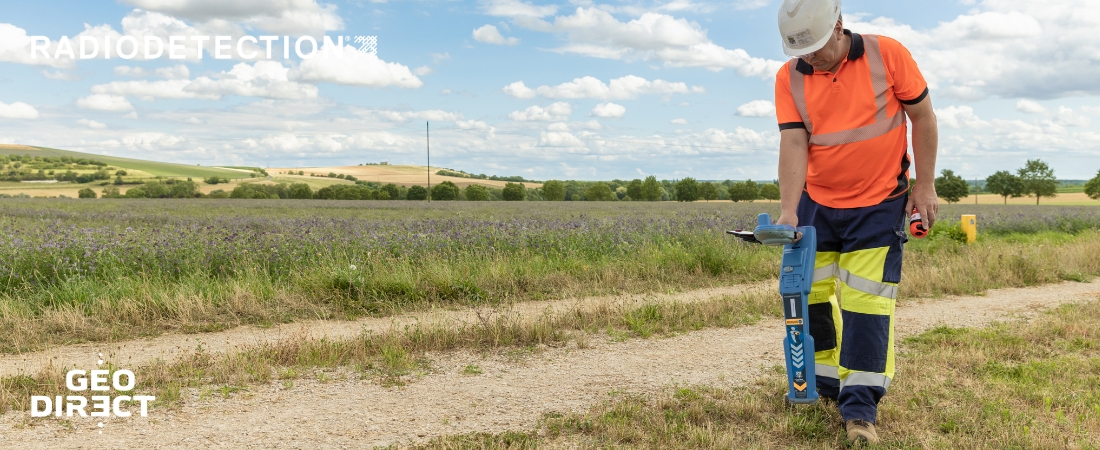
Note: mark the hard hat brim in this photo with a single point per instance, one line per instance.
(797, 52)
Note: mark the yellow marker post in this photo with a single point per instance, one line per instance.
(970, 226)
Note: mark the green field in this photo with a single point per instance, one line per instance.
(152, 168)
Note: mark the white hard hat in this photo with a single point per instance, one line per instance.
(806, 25)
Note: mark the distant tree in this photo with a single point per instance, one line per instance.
(1038, 179)
(708, 191)
(769, 191)
(445, 191)
(1005, 184)
(477, 193)
(136, 192)
(111, 192)
(620, 192)
(744, 191)
(86, 193)
(634, 190)
(514, 192)
(651, 189)
(120, 173)
(156, 189)
(951, 187)
(300, 191)
(553, 191)
(598, 192)
(687, 190)
(417, 193)
(184, 189)
(1092, 187)
(393, 190)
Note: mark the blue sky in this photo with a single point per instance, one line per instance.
(576, 89)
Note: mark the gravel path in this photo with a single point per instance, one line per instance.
(170, 346)
(510, 393)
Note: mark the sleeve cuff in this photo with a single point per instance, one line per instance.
(914, 101)
(791, 126)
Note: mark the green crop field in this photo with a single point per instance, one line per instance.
(154, 169)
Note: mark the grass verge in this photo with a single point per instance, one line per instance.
(395, 354)
(1007, 386)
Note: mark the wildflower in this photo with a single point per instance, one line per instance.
(353, 267)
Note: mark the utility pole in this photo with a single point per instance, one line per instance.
(428, 141)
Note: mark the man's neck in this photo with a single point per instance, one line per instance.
(846, 44)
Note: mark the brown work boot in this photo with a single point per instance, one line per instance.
(861, 430)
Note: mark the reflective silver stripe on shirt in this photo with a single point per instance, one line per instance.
(824, 370)
(883, 124)
(878, 75)
(798, 92)
(868, 286)
(863, 133)
(865, 379)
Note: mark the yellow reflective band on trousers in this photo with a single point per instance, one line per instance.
(861, 290)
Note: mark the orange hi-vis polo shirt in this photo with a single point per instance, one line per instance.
(858, 143)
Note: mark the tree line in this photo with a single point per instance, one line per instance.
(1035, 178)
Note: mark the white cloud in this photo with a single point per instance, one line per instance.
(268, 79)
(176, 72)
(519, 90)
(92, 124)
(627, 87)
(609, 110)
(678, 121)
(152, 141)
(1006, 48)
(402, 116)
(756, 108)
(675, 42)
(490, 35)
(558, 126)
(422, 70)
(959, 117)
(295, 17)
(355, 69)
(17, 110)
(104, 102)
(559, 139)
(555, 112)
(744, 5)
(15, 46)
(1069, 117)
(1030, 107)
(472, 124)
(516, 8)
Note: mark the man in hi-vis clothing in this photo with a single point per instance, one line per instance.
(844, 169)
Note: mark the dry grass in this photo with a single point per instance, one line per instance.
(947, 267)
(1011, 385)
(393, 354)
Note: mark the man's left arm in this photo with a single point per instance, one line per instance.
(912, 90)
(926, 138)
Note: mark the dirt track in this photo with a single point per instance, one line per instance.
(511, 393)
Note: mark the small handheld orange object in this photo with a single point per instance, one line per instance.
(916, 225)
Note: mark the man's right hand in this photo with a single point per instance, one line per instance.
(792, 220)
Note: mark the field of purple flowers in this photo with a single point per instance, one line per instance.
(93, 269)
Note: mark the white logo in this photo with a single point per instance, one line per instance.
(367, 44)
(120, 381)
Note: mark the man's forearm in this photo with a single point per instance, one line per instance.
(793, 155)
(925, 146)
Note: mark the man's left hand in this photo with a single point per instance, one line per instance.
(927, 203)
